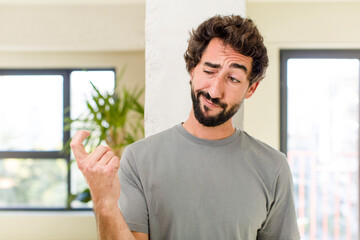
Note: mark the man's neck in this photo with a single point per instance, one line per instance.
(210, 133)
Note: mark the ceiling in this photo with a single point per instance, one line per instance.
(102, 2)
(87, 2)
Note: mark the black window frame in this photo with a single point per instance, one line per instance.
(65, 73)
(285, 55)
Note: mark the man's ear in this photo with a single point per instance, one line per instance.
(251, 89)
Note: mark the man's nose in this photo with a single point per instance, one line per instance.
(216, 89)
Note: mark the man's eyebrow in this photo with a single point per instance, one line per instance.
(233, 65)
(212, 65)
(236, 65)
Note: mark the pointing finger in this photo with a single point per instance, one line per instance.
(77, 146)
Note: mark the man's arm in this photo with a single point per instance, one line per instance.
(111, 225)
(281, 220)
(100, 169)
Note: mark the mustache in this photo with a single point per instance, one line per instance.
(215, 101)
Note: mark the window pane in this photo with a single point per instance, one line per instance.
(81, 91)
(323, 143)
(78, 184)
(33, 183)
(81, 88)
(31, 113)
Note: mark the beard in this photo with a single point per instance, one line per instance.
(219, 118)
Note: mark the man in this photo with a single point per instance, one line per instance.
(202, 179)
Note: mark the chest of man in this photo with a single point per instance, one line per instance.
(205, 193)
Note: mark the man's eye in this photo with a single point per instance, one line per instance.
(234, 80)
(208, 72)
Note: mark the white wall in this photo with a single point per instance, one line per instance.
(72, 27)
(47, 226)
(295, 25)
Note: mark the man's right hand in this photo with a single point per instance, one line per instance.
(100, 169)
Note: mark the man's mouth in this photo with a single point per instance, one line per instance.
(209, 102)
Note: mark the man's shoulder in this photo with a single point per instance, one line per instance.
(258, 144)
(149, 150)
(261, 150)
(156, 139)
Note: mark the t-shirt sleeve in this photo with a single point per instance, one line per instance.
(280, 223)
(132, 200)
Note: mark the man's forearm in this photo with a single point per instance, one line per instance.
(100, 169)
(111, 225)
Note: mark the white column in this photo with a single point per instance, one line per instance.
(167, 26)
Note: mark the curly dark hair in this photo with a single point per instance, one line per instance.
(239, 33)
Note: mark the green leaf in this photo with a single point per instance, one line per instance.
(84, 196)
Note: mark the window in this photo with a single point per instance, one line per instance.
(320, 135)
(33, 105)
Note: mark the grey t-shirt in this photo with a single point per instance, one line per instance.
(177, 186)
